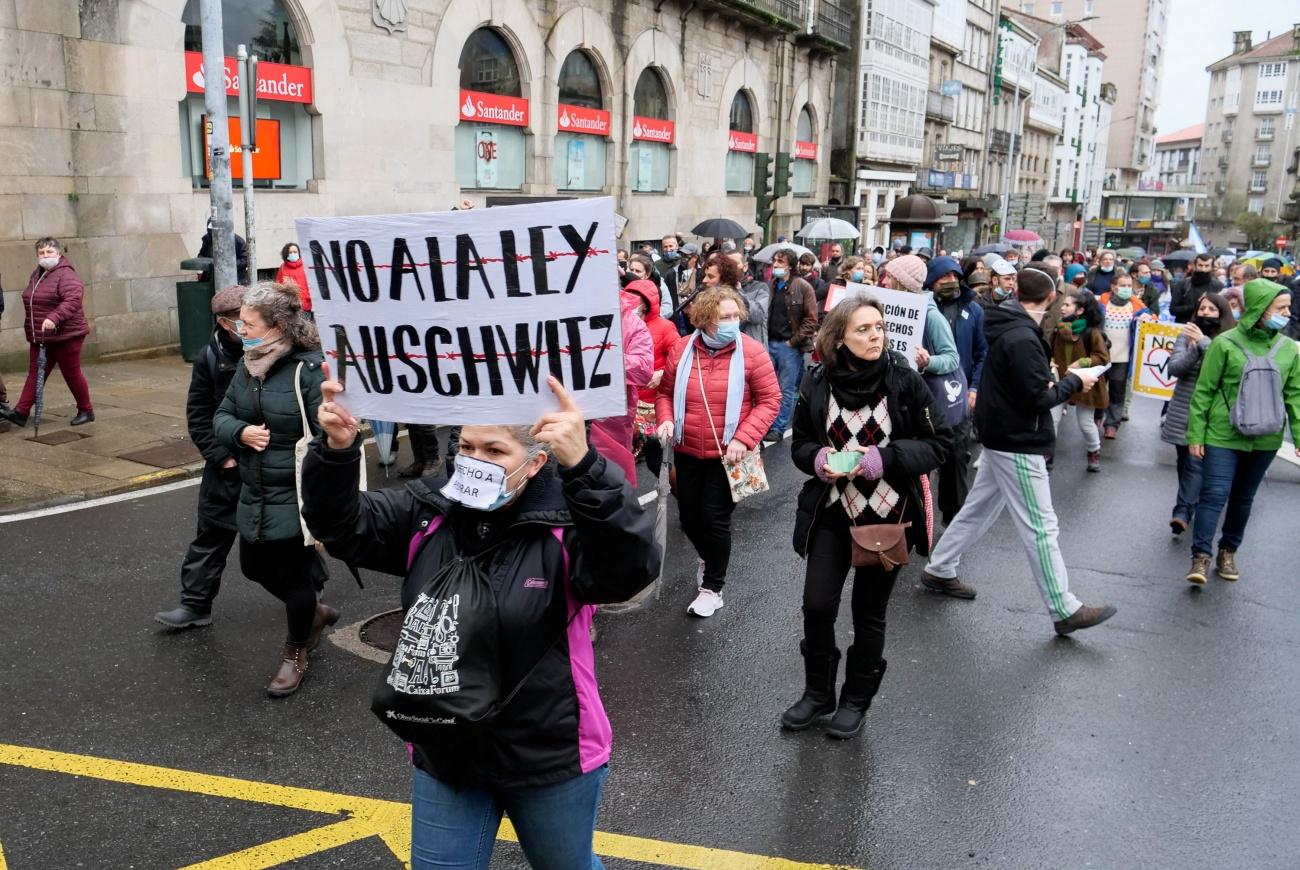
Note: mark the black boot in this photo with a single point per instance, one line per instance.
(861, 682)
(415, 435)
(819, 673)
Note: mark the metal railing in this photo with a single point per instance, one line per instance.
(1256, 187)
(1262, 160)
(940, 107)
(1227, 135)
(788, 12)
(1264, 135)
(834, 21)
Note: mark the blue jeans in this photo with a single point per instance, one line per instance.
(456, 830)
(1189, 484)
(788, 362)
(1229, 477)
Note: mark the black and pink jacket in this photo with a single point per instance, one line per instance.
(577, 537)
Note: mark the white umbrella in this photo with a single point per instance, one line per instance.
(765, 254)
(828, 228)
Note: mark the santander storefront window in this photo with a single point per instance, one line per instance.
(283, 159)
(582, 126)
(491, 141)
(653, 133)
(742, 143)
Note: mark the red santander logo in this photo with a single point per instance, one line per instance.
(653, 130)
(492, 109)
(275, 81)
(805, 150)
(738, 141)
(576, 119)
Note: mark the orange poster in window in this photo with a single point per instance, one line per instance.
(266, 159)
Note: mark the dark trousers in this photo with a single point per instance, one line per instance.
(653, 454)
(954, 474)
(1117, 383)
(204, 563)
(292, 573)
(67, 356)
(1230, 477)
(1189, 484)
(829, 563)
(704, 507)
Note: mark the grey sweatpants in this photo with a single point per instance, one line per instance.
(1017, 481)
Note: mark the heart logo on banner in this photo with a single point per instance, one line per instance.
(637, 130)
(468, 109)
(564, 119)
(1159, 370)
(198, 79)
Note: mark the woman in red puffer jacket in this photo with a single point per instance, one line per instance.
(293, 272)
(714, 404)
(663, 336)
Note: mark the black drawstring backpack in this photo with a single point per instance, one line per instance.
(444, 677)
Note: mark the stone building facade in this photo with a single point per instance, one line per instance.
(367, 107)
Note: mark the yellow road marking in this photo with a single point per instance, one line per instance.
(363, 818)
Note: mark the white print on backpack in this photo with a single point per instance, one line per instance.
(428, 648)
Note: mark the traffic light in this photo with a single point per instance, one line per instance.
(762, 177)
(784, 174)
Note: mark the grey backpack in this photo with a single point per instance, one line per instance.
(1258, 409)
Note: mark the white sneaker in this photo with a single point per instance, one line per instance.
(699, 575)
(705, 604)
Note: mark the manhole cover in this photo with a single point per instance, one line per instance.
(61, 436)
(172, 455)
(381, 631)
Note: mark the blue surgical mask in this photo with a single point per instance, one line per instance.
(1001, 295)
(1236, 315)
(727, 333)
(293, 258)
(1123, 294)
(876, 258)
(250, 343)
(778, 272)
(857, 275)
(1144, 279)
(670, 255)
(1276, 323)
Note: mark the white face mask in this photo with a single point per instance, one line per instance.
(47, 263)
(482, 485)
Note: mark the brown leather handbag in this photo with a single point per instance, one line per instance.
(880, 546)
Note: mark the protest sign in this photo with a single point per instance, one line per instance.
(458, 317)
(904, 314)
(1149, 373)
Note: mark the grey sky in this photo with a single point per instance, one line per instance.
(1200, 33)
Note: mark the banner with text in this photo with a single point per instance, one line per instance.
(904, 314)
(1150, 370)
(458, 317)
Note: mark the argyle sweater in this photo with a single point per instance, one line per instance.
(864, 501)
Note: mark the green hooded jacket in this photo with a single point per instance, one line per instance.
(1216, 387)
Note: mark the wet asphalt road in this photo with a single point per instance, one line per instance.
(1166, 738)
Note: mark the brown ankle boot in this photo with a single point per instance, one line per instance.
(293, 667)
(325, 615)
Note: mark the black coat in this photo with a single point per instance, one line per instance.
(552, 730)
(918, 444)
(241, 257)
(214, 369)
(268, 499)
(1183, 296)
(1013, 410)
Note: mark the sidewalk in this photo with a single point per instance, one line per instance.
(138, 438)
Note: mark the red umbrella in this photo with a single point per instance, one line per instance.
(1022, 237)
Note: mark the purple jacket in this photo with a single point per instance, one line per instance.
(56, 295)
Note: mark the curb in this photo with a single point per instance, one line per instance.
(131, 484)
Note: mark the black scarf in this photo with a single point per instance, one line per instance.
(855, 381)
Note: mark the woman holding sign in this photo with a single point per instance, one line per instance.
(868, 430)
(536, 515)
(1247, 393)
(719, 394)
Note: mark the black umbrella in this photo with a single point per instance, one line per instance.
(991, 248)
(40, 389)
(720, 228)
(1179, 257)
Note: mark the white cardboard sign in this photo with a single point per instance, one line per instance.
(458, 317)
(904, 314)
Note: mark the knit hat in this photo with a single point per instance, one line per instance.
(1271, 263)
(991, 257)
(908, 270)
(228, 299)
(939, 267)
(1074, 270)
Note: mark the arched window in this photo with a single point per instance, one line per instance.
(653, 132)
(582, 125)
(805, 154)
(491, 145)
(742, 143)
(283, 159)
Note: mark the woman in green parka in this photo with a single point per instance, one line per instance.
(1234, 464)
(260, 422)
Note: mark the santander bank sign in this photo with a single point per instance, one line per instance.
(275, 81)
(653, 130)
(577, 119)
(493, 109)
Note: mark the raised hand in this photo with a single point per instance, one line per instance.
(338, 424)
(563, 431)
